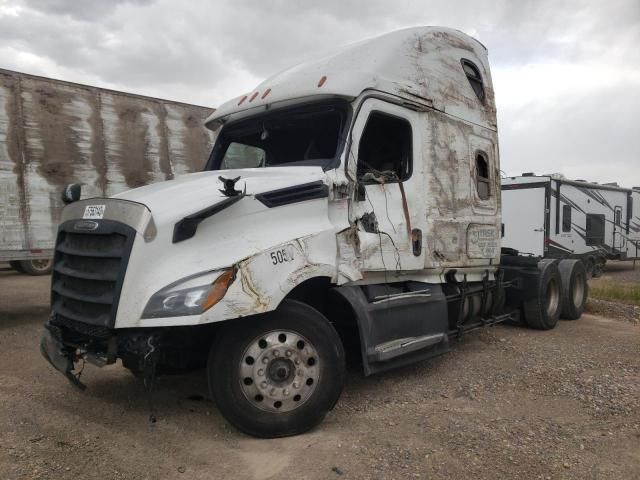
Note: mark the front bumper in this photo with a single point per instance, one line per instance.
(65, 342)
(60, 356)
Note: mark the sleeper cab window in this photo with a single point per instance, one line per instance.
(483, 178)
(384, 153)
(566, 218)
(474, 77)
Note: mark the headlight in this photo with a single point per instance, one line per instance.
(190, 297)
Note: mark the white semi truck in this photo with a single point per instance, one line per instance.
(352, 202)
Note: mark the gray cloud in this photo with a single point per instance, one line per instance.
(580, 118)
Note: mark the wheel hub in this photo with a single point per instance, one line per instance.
(552, 297)
(279, 371)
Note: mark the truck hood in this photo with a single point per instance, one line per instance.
(172, 200)
(245, 230)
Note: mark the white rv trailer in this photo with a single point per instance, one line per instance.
(633, 242)
(552, 217)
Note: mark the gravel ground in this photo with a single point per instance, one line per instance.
(507, 402)
(622, 271)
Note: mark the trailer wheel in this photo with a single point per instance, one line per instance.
(575, 288)
(40, 266)
(277, 374)
(598, 267)
(16, 265)
(543, 311)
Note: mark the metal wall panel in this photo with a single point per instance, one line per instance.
(53, 133)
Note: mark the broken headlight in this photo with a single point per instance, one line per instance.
(190, 297)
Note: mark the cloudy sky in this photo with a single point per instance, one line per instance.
(566, 73)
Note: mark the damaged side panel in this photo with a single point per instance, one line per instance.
(263, 280)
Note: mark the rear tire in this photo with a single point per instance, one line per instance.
(543, 311)
(40, 266)
(575, 287)
(277, 374)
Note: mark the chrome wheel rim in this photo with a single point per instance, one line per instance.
(552, 297)
(279, 371)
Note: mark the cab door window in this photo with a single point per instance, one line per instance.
(384, 152)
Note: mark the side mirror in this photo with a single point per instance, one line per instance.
(71, 193)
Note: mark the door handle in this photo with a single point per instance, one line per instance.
(538, 229)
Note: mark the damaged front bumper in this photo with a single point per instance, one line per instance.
(65, 343)
(59, 355)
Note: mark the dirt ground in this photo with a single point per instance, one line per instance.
(623, 272)
(505, 403)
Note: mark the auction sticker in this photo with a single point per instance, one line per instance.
(93, 212)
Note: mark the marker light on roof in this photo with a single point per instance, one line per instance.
(322, 80)
(242, 100)
(253, 97)
(266, 92)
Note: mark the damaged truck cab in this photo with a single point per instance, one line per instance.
(352, 202)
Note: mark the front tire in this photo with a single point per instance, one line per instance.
(277, 374)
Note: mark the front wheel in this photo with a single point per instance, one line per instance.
(277, 374)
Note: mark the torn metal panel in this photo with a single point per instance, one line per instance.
(264, 279)
(53, 133)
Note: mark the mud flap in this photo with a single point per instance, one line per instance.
(59, 356)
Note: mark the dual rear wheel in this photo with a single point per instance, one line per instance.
(562, 293)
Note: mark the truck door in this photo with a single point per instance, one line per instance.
(524, 217)
(389, 199)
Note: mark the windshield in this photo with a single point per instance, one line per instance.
(304, 135)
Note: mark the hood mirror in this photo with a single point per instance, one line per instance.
(71, 193)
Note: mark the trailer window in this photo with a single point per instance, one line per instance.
(566, 218)
(618, 216)
(594, 229)
(384, 153)
(474, 77)
(483, 184)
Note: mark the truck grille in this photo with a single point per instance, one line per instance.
(89, 268)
